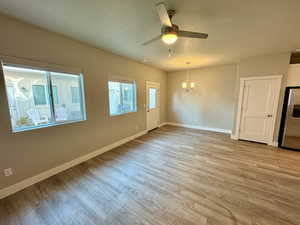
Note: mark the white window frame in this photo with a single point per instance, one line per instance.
(49, 97)
(123, 80)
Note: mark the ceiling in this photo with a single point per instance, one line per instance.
(237, 29)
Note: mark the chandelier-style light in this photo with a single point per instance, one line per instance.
(188, 85)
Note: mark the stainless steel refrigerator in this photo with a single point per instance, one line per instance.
(289, 136)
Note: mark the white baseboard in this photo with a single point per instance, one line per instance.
(44, 175)
(273, 143)
(163, 124)
(200, 127)
(234, 137)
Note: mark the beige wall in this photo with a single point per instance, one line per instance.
(293, 78)
(267, 65)
(214, 102)
(32, 152)
(210, 104)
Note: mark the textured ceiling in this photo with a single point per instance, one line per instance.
(237, 29)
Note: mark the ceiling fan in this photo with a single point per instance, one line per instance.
(169, 31)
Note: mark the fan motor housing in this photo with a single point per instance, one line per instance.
(170, 30)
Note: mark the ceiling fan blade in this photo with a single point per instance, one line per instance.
(190, 34)
(152, 40)
(163, 14)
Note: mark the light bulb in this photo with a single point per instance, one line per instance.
(192, 84)
(169, 38)
(184, 85)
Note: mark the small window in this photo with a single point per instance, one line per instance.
(152, 98)
(42, 98)
(122, 97)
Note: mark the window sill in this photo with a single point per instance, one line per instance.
(53, 124)
(124, 113)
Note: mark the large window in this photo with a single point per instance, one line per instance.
(122, 97)
(42, 98)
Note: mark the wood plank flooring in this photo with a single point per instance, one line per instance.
(171, 176)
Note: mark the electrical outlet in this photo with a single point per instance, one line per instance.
(8, 172)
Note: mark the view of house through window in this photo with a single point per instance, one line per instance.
(39, 94)
(66, 108)
(41, 98)
(122, 97)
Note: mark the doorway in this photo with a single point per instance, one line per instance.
(152, 105)
(257, 108)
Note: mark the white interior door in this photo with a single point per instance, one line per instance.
(153, 105)
(258, 109)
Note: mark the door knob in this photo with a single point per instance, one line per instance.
(269, 115)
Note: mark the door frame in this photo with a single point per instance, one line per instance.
(240, 104)
(146, 100)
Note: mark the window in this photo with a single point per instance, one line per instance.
(39, 94)
(42, 98)
(122, 97)
(75, 94)
(66, 109)
(55, 94)
(152, 98)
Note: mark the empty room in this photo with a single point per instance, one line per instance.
(149, 112)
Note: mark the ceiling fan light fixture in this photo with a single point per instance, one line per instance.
(169, 31)
(169, 38)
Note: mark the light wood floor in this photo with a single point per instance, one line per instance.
(172, 176)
